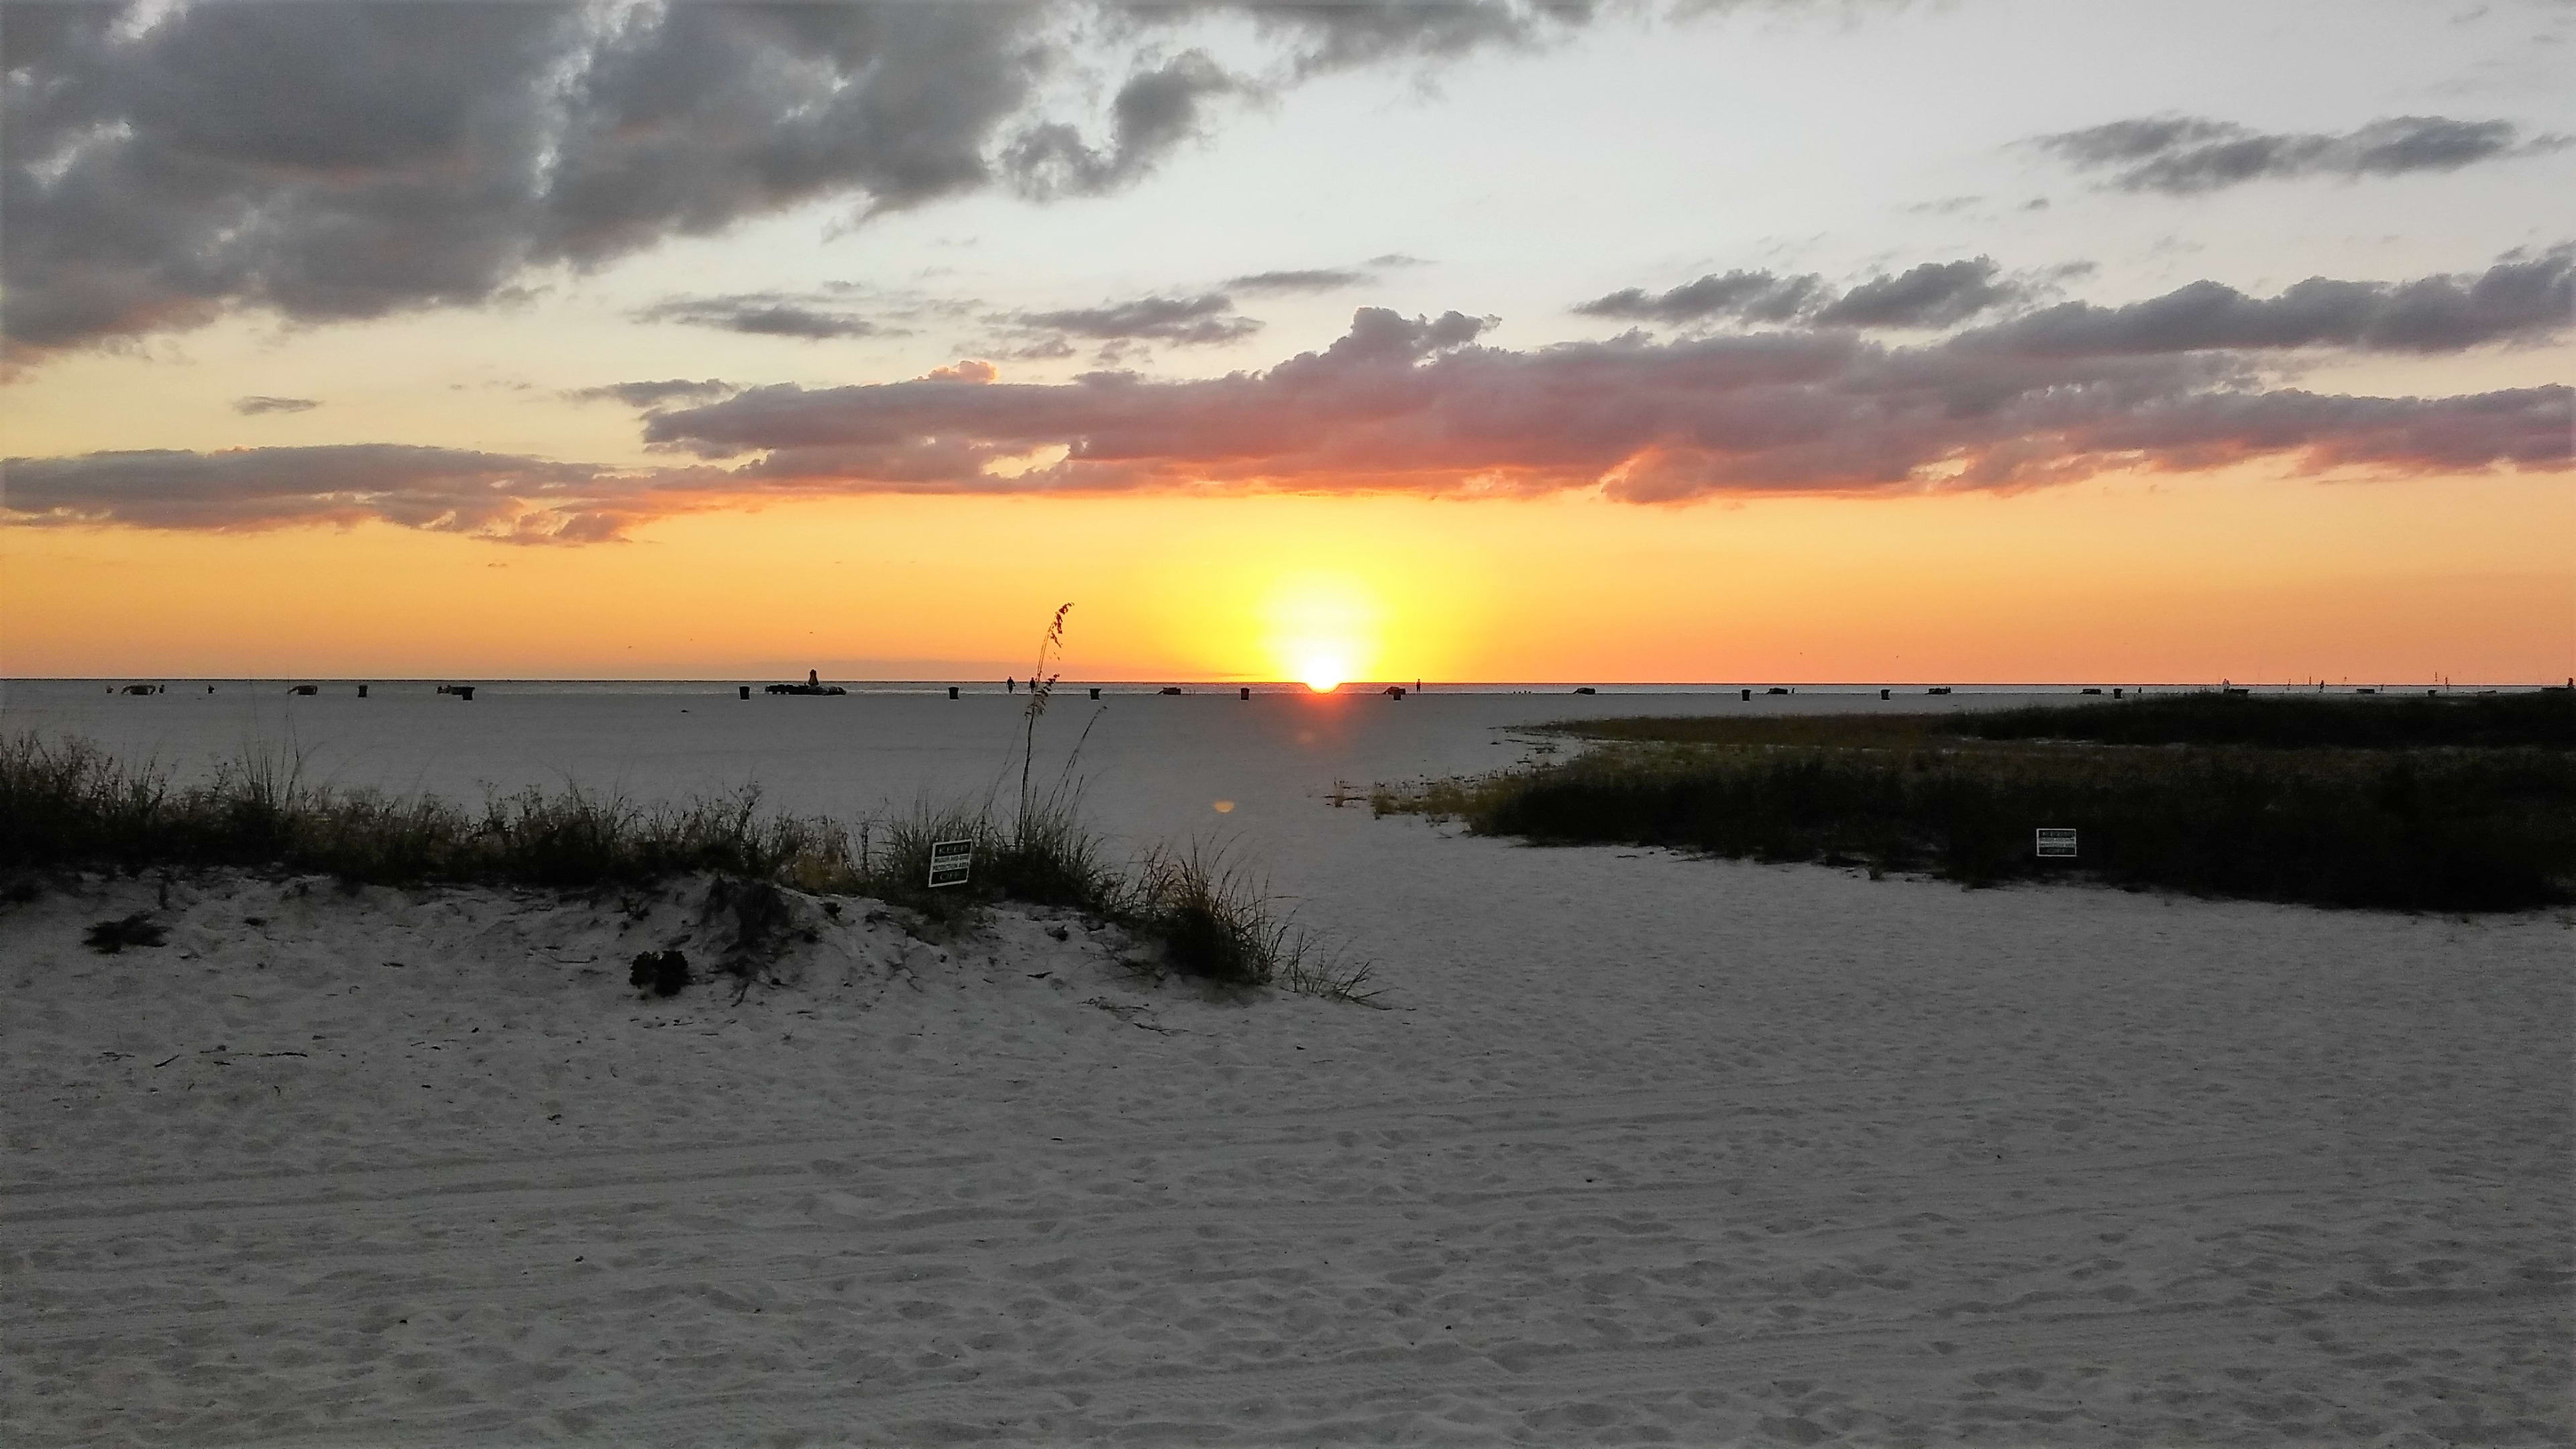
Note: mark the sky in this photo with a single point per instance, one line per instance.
(1980, 341)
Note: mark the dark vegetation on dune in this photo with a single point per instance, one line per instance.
(2421, 804)
(2544, 719)
(67, 805)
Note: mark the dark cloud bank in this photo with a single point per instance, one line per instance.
(345, 160)
(1422, 405)
(2181, 155)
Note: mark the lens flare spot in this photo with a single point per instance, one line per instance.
(1224, 807)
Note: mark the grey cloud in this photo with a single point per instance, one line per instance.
(1338, 34)
(1043, 349)
(337, 159)
(1204, 320)
(654, 394)
(2522, 298)
(502, 497)
(2183, 155)
(1329, 279)
(1150, 114)
(1935, 294)
(763, 314)
(1741, 295)
(1932, 295)
(254, 405)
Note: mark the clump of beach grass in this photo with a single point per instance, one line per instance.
(1218, 925)
(1209, 918)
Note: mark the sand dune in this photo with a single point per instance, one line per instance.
(1647, 1149)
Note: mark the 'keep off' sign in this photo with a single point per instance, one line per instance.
(950, 860)
(2056, 842)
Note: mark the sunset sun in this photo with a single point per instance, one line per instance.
(1322, 629)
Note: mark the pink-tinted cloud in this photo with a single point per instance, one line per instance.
(1413, 405)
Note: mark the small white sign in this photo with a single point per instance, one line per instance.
(950, 861)
(2056, 841)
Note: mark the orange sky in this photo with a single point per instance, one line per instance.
(2175, 578)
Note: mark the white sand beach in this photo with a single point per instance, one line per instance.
(1640, 1149)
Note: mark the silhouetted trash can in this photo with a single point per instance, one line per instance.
(1748, 695)
(952, 691)
(1095, 692)
(362, 691)
(1883, 694)
(742, 691)
(1244, 693)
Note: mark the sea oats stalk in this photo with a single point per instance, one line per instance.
(1041, 689)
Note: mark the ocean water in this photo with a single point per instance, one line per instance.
(1255, 777)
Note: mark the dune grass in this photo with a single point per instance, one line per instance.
(65, 804)
(2536, 719)
(2540, 719)
(2439, 827)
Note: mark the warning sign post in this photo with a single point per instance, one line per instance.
(950, 860)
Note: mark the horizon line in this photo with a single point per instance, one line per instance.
(1424, 684)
